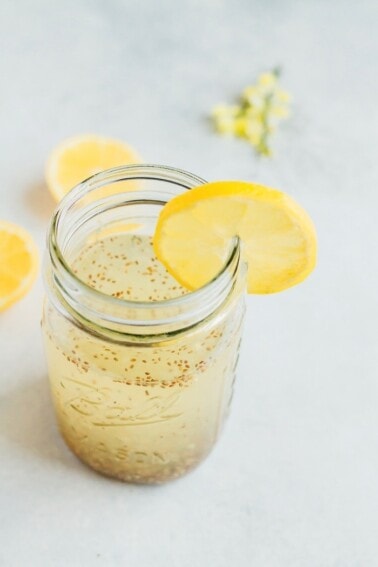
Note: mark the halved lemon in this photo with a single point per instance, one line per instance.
(18, 263)
(194, 231)
(81, 157)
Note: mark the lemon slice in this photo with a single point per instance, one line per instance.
(194, 230)
(18, 263)
(81, 157)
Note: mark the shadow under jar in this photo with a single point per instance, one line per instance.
(141, 369)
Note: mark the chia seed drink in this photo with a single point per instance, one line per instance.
(147, 407)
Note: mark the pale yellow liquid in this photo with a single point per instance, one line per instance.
(139, 413)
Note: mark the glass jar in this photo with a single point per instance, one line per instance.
(140, 388)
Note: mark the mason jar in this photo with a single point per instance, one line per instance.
(141, 387)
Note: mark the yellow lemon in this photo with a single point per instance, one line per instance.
(81, 157)
(194, 231)
(18, 263)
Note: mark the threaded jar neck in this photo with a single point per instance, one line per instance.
(129, 194)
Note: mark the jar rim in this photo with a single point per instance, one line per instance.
(65, 278)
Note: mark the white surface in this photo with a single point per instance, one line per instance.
(293, 481)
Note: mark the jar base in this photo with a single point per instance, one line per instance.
(149, 476)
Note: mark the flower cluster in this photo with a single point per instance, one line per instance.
(262, 106)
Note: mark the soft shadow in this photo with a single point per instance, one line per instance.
(38, 200)
(27, 420)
